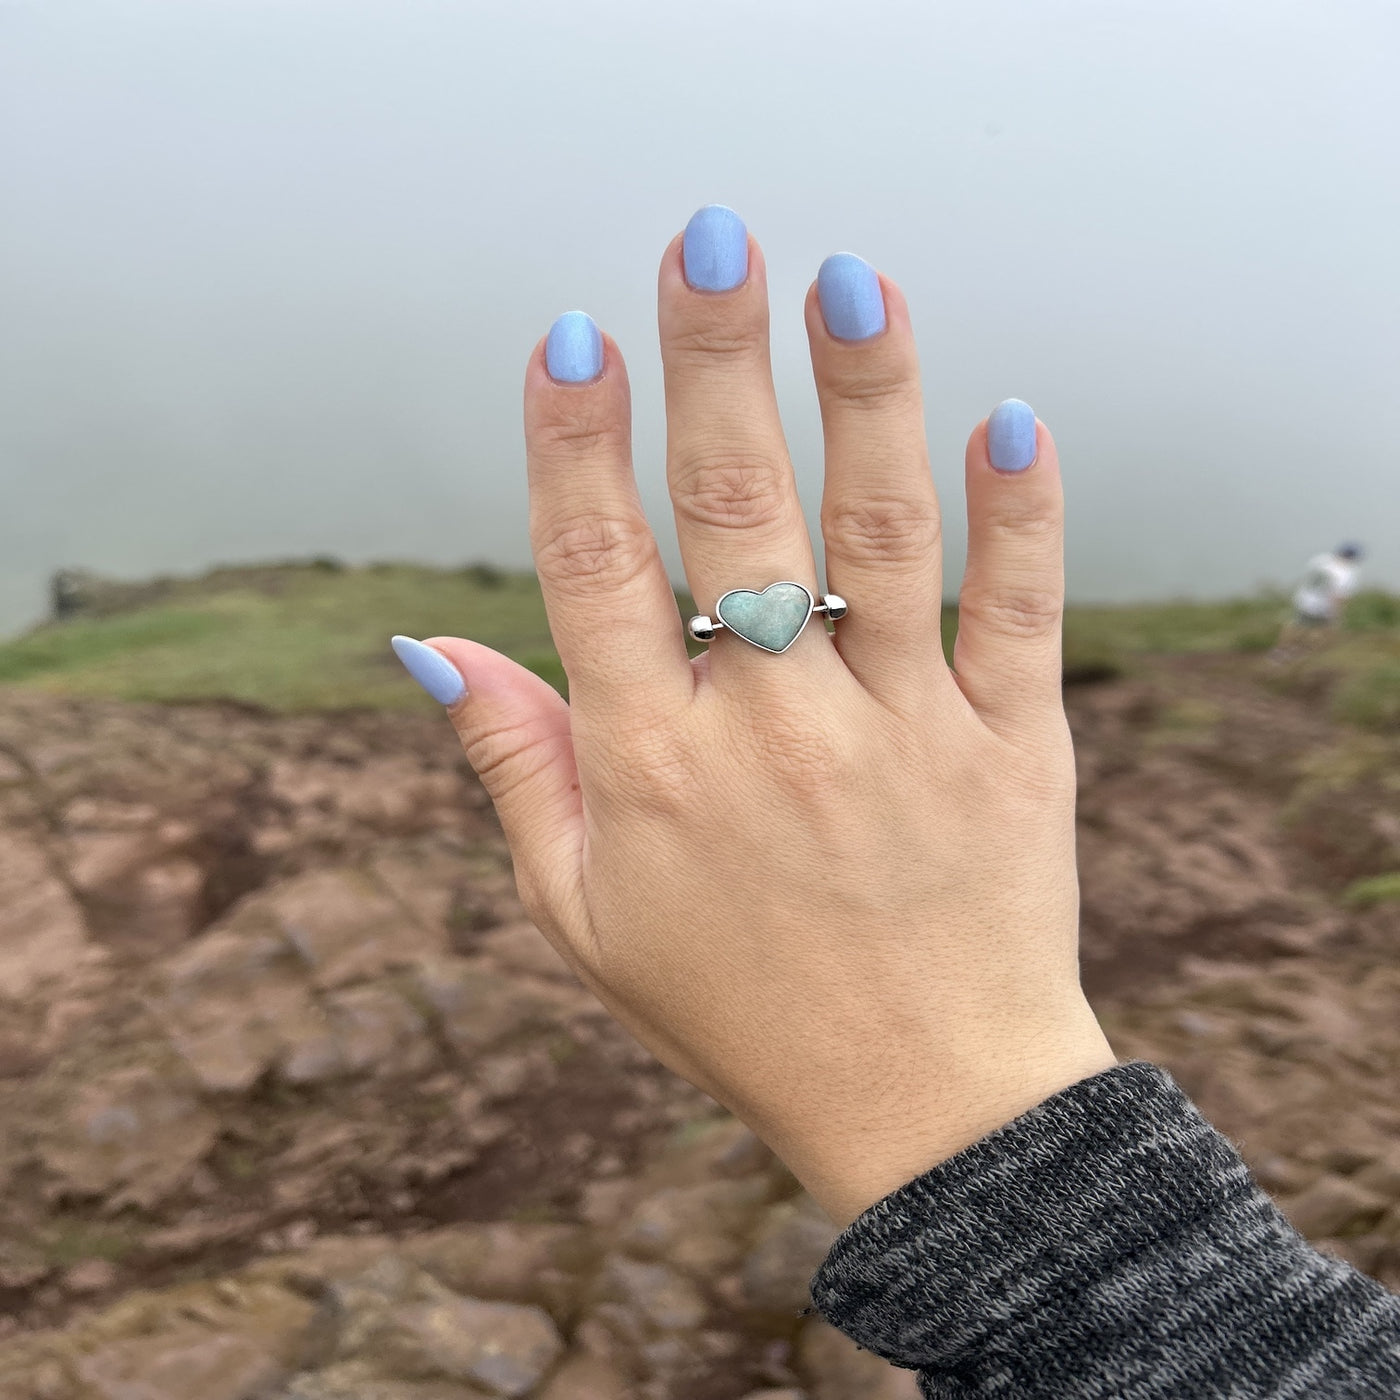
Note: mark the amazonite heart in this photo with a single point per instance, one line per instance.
(771, 619)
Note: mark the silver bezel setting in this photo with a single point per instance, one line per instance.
(702, 628)
(777, 583)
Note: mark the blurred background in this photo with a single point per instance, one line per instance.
(298, 1104)
(269, 272)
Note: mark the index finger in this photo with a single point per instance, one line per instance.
(611, 610)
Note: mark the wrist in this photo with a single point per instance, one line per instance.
(848, 1172)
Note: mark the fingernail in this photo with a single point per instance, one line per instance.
(1011, 436)
(853, 306)
(431, 669)
(573, 351)
(715, 250)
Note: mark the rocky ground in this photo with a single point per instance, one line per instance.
(298, 1105)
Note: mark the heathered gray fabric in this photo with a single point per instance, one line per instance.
(1107, 1245)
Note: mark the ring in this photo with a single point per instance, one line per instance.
(770, 620)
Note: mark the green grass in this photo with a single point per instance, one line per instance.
(315, 635)
(1109, 637)
(1379, 889)
(1359, 670)
(1370, 696)
(291, 638)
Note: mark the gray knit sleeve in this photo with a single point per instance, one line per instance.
(1107, 1245)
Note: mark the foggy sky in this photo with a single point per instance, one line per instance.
(269, 272)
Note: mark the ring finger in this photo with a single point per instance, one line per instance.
(738, 517)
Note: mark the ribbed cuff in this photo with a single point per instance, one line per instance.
(1108, 1243)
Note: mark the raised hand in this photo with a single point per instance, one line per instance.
(832, 885)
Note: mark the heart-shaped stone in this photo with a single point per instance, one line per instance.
(771, 619)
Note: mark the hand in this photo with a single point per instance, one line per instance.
(833, 888)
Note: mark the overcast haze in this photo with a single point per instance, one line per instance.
(269, 272)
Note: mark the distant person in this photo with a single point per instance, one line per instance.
(830, 880)
(1328, 581)
(1319, 601)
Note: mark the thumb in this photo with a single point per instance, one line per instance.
(514, 728)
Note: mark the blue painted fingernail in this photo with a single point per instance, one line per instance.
(853, 306)
(1011, 436)
(573, 351)
(715, 251)
(431, 669)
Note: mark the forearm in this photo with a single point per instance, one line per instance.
(1108, 1244)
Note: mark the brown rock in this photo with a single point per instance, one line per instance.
(502, 1076)
(746, 1154)
(476, 1007)
(133, 1136)
(191, 1364)
(357, 1381)
(386, 794)
(603, 1203)
(342, 925)
(709, 1146)
(585, 1377)
(698, 1228)
(361, 1030)
(789, 1247)
(89, 1276)
(314, 1267)
(1381, 1176)
(136, 873)
(1281, 1174)
(1389, 1227)
(503, 1347)
(833, 1368)
(423, 878)
(22, 1264)
(398, 1319)
(192, 1236)
(164, 902)
(506, 1261)
(659, 1295)
(1333, 1205)
(96, 859)
(1344, 1157)
(43, 941)
(234, 1001)
(674, 1358)
(521, 947)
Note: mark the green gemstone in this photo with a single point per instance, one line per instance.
(771, 619)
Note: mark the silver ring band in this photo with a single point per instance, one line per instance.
(771, 620)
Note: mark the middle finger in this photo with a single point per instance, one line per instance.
(738, 517)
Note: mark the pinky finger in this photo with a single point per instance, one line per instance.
(1007, 656)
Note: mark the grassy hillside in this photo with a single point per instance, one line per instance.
(315, 636)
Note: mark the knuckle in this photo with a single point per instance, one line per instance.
(729, 491)
(706, 341)
(1016, 521)
(1013, 610)
(877, 384)
(507, 756)
(597, 550)
(583, 426)
(883, 529)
